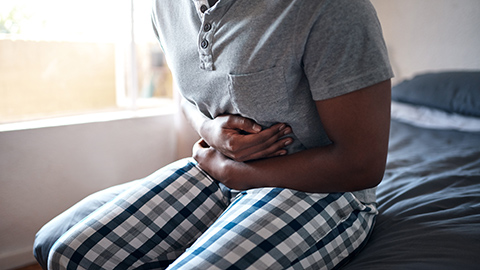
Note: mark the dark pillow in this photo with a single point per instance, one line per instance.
(454, 92)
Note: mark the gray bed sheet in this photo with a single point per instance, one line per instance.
(429, 203)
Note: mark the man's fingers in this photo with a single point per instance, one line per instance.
(245, 145)
(242, 123)
(275, 149)
(243, 139)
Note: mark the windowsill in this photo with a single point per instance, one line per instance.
(166, 109)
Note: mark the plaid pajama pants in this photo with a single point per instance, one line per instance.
(179, 218)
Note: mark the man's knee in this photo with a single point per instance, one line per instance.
(51, 232)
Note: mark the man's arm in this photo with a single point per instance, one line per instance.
(358, 124)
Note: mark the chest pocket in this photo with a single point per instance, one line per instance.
(261, 96)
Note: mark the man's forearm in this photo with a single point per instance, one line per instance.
(314, 170)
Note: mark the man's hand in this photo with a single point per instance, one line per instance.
(209, 159)
(216, 165)
(236, 137)
(241, 139)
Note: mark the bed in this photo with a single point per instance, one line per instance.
(429, 200)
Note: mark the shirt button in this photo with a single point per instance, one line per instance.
(203, 8)
(204, 44)
(207, 27)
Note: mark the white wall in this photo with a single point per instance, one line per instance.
(44, 171)
(430, 35)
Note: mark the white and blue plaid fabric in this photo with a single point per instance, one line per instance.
(179, 218)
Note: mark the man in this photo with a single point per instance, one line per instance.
(292, 102)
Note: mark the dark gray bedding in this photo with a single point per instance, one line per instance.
(429, 203)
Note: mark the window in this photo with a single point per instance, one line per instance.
(65, 57)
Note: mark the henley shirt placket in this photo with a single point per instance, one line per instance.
(205, 35)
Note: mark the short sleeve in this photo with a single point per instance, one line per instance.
(345, 50)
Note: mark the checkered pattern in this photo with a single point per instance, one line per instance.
(151, 225)
(274, 228)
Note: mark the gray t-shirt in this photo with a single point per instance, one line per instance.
(271, 60)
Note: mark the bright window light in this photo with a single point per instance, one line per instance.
(65, 57)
